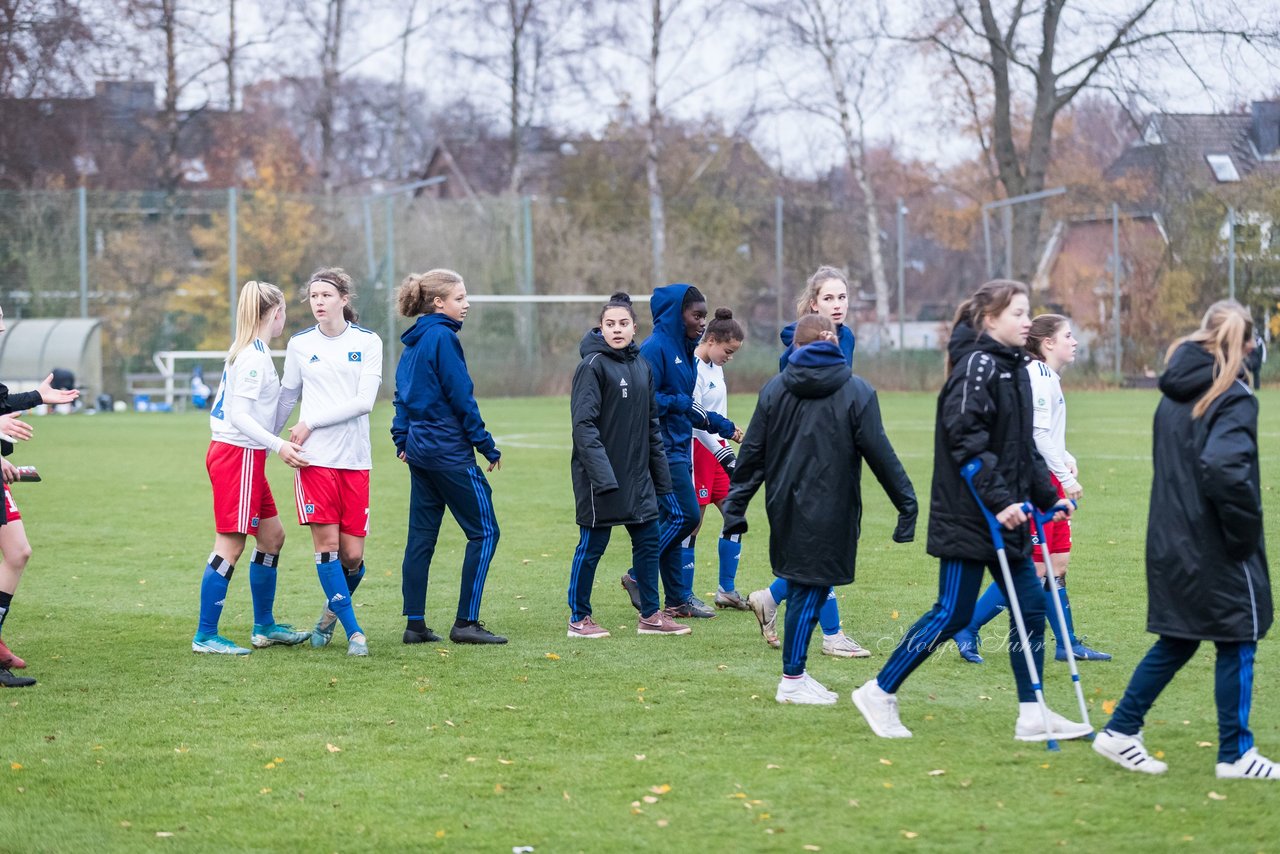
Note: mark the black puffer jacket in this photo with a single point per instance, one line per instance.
(1207, 573)
(985, 411)
(813, 426)
(618, 463)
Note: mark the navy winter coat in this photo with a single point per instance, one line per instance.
(437, 424)
(1207, 575)
(788, 336)
(985, 411)
(618, 464)
(813, 426)
(669, 353)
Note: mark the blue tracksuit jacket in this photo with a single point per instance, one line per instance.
(669, 353)
(437, 422)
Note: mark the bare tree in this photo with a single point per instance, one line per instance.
(531, 46)
(664, 39)
(1035, 59)
(837, 45)
(42, 46)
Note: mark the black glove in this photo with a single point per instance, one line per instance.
(727, 460)
(906, 530)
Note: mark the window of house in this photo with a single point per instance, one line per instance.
(1224, 168)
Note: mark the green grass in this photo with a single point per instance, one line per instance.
(439, 747)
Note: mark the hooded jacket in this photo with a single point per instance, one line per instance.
(984, 411)
(788, 336)
(813, 426)
(1207, 575)
(618, 465)
(437, 424)
(669, 352)
(16, 403)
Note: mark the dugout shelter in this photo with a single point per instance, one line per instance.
(31, 348)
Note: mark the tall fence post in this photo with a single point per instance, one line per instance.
(82, 199)
(1115, 284)
(529, 311)
(233, 261)
(1007, 216)
(388, 276)
(777, 256)
(901, 213)
(1231, 253)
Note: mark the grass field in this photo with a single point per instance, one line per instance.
(130, 742)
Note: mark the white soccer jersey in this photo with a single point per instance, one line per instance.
(710, 393)
(1050, 422)
(339, 379)
(244, 409)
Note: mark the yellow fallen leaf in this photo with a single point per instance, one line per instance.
(182, 748)
(640, 757)
(1204, 744)
(265, 790)
(660, 790)
(722, 667)
(506, 762)
(1214, 796)
(269, 765)
(498, 788)
(524, 562)
(278, 760)
(812, 848)
(15, 766)
(450, 723)
(894, 615)
(1188, 839)
(888, 785)
(1108, 707)
(1159, 808)
(854, 803)
(737, 795)
(937, 772)
(636, 811)
(163, 834)
(333, 748)
(884, 761)
(553, 656)
(983, 697)
(126, 824)
(662, 822)
(1045, 765)
(566, 796)
(440, 834)
(650, 799)
(1159, 754)
(772, 767)
(910, 834)
(471, 759)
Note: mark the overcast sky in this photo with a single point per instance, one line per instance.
(907, 103)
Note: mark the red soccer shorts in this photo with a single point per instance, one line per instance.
(339, 497)
(710, 480)
(241, 494)
(11, 509)
(1058, 534)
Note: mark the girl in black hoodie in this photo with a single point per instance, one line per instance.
(1207, 573)
(619, 467)
(984, 412)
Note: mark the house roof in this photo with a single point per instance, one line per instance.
(1181, 145)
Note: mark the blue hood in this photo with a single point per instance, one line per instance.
(411, 335)
(819, 354)
(668, 317)
(843, 333)
(815, 370)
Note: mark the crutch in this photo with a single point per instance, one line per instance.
(967, 471)
(1041, 519)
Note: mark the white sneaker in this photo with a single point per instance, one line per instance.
(881, 711)
(766, 611)
(1128, 751)
(1031, 728)
(842, 646)
(805, 691)
(1252, 766)
(820, 688)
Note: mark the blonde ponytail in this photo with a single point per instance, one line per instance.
(257, 300)
(1224, 331)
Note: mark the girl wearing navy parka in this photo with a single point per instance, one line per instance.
(437, 430)
(679, 319)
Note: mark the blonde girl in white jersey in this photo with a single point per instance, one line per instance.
(244, 427)
(1052, 346)
(336, 366)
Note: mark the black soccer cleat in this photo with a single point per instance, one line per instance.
(411, 636)
(474, 633)
(9, 680)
